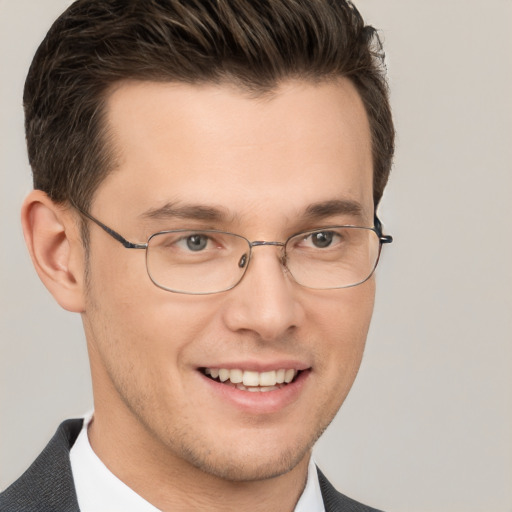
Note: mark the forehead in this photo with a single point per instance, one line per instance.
(216, 145)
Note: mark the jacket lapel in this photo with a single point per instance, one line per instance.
(47, 485)
(334, 501)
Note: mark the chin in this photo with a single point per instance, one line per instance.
(249, 468)
(236, 451)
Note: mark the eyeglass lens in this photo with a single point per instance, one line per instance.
(202, 262)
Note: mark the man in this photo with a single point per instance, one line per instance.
(206, 179)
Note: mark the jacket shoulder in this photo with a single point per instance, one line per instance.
(335, 501)
(47, 485)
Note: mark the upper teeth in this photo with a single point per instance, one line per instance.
(250, 378)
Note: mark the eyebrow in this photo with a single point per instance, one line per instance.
(188, 211)
(333, 207)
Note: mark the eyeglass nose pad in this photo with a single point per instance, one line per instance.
(243, 261)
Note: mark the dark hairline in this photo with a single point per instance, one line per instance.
(345, 47)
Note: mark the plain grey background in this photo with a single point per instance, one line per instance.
(428, 425)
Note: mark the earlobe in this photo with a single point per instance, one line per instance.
(54, 244)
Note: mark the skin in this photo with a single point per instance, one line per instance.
(159, 425)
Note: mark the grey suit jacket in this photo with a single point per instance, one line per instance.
(47, 485)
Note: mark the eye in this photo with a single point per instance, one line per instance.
(191, 244)
(322, 239)
(196, 242)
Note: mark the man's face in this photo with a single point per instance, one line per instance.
(260, 164)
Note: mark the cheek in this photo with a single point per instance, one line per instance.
(343, 315)
(136, 323)
(140, 339)
(343, 322)
(119, 313)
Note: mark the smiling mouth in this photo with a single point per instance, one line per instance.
(246, 380)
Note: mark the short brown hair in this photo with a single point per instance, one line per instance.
(254, 44)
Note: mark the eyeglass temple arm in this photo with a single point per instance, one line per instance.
(111, 232)
(384, 239)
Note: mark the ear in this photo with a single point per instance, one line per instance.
(54, 242)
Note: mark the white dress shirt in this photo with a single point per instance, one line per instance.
(99, 490)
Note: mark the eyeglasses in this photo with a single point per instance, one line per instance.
(201, 262)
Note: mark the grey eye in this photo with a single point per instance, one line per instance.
(322, 239)
(197, 242)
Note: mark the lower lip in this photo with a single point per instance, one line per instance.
(259, 402)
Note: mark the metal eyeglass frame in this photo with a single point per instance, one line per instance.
(377, 229)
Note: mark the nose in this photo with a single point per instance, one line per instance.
(266, 302)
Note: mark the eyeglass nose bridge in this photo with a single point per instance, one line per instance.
(256, 243)
(245, 260)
